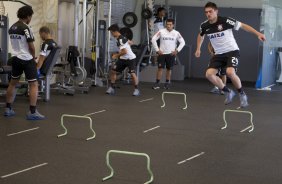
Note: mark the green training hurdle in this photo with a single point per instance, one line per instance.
(251, 127)
(132, 154)
(174, 93)
(79, 117)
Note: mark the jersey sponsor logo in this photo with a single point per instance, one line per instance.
(168, 38)
(234, 61)
(216, 35)
(27, 33)
(230, 22)
(14, 36)
(220, 27)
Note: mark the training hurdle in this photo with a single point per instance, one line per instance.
(77, 117)
(174, 93)
(250, 128)
(132, 154)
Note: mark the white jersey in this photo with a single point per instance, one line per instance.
(168, 41)
(122, 43)
(221, 35)
(20, 35)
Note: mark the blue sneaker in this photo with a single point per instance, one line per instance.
(34, 116)
(9, 112)
(229, 97)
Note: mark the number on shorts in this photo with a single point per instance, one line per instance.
(234, 61)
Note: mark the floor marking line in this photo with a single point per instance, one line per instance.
(149, 99)
(94, 113)
(28, 130)
(18, 172)
(246, 129)
(146, 131)
(195, 156)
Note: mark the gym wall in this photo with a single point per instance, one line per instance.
(188, 23)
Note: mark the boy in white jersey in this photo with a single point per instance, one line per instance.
(125, 59)
(219, 31)
(167, 51)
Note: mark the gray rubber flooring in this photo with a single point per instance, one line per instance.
(228, 156)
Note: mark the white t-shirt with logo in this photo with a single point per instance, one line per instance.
(122, 43)
(20, 34)
(168, 41)
(221, 35)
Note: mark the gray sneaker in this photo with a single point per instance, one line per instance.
(166, 85)
(215, 90)
(9, 112)
(136, 92)
(229, 97)
(110, 91)
(34, 116)
(243, 100)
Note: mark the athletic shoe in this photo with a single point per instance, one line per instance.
(229, 97)
(221, 92)
(9, 112)
(243, 100)
(215, 90)
(110, 91)
(136, 92)
(156, 86)
(166, 85)
(34, 116)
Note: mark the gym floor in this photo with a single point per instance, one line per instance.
(213, 156)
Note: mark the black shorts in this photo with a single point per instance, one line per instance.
(28, 67)
(221, 72)
(121, 64)
(223, 61)
(166, 61)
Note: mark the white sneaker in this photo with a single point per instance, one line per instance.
(110, 91)
(136, 92)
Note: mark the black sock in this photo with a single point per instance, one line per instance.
(225, 89)
(157, 81)
(32, 109)
(166, 81)
(112, 85)
(241, 91)
(136, 86)
(8, 105)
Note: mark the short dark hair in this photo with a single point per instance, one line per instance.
(160, 9)
(44, 29)
(113, 28)
(211, 5)
(170, 20)
(25, 12)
